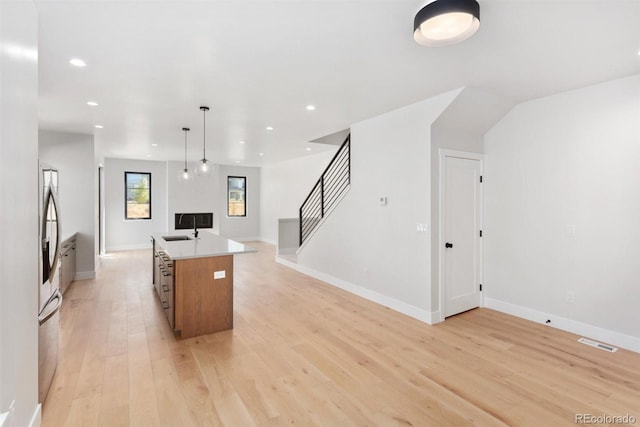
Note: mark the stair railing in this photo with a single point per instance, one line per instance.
(326, 193)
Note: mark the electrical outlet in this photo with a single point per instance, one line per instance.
(219, 274)
(570, 297)
(422, 228)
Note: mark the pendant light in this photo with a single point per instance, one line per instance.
(446, 22)
(185, 174)
(204, 168)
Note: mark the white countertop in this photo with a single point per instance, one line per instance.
(206, 245)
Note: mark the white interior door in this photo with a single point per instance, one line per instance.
(461, 234)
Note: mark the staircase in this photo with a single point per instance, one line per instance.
(327, 192)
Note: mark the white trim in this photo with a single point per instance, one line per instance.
(84, 275)
(442, 153)
(269, 241)
(128, 247)
(594, 332)
(288, 219)
(36, 419)
(244, 239)
(399, 306)
(287, 251)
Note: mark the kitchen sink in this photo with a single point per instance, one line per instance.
(175, 238)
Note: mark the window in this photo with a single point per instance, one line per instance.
(236, 196)
(137, 188)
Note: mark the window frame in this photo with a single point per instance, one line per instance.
(229, 177)
(126, 188)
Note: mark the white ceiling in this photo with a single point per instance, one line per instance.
(258, 63)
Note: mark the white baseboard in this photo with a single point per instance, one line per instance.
(399, 306)
(588, 331)
(244, 239)
(287, 251)
(36, 419)
(128, 247)
(269, 241)
(84, 275)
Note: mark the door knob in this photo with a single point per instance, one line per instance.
(448, 245)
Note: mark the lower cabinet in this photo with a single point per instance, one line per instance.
(196, 298)
(67, 263)
(163, 282)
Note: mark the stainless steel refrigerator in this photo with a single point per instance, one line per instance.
(50, 297)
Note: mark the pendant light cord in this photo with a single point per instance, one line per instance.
(204, 134)
(185, 147)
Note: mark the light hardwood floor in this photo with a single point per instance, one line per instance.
(305, 353)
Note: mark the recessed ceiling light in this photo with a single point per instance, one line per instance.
(308, 149)
(77, 62)
(237, 161)
(92, 103)
(261, 154)
(241, 142)
(98, 126)
(269, 128)
(311, 107)
(154, 145)
(148, 155)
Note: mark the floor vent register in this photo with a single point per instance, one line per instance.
(599, 345)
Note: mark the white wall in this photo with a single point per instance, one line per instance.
(198, 195)
(554, 165)
(73, 155)
(285, 185)
(19, 211)
(124, 234)
(376, 248)
(240, 228)
(461, 127)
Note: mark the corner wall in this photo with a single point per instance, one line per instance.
(376, 249)
(562, 203)
(19, 241)
(285, 185)
(73, 155)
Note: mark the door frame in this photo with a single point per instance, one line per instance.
(442, 154)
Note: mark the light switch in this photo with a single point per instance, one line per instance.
(383, 201)
(219, 274)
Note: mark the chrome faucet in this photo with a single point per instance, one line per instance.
(195, 227)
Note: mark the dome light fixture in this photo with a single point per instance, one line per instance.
(446, 22)
(204, 168)
(185, 174)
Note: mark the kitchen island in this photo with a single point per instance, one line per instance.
(193, 278)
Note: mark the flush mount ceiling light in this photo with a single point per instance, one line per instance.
(204, 168)
(185, 174)
(445, 22)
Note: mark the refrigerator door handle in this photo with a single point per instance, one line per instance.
(43, 316)
(51, 199)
